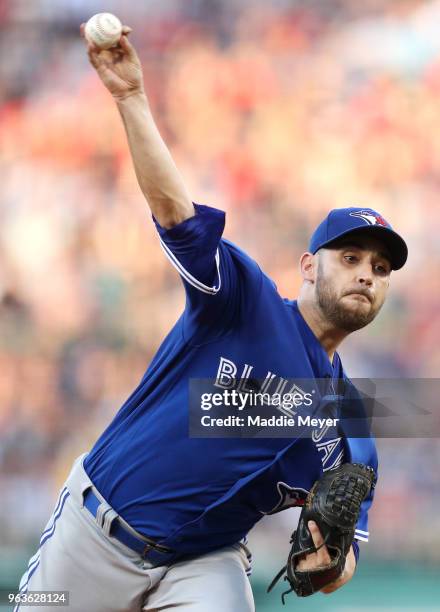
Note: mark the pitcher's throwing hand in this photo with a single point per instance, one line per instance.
(119, 68)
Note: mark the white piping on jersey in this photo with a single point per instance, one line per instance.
(189, 277)
(361, 538)
(359, 534)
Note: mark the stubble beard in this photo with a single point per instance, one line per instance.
(334, 311)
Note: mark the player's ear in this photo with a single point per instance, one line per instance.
(307, 265)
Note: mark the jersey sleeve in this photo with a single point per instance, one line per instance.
(361, 449)
(221, 281)
(362, 531)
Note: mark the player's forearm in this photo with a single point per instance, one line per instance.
(157, 174)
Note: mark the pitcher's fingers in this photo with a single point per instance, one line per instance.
(126, 30)
(82, 28)
(92, 46)
(93, 54)
(128, 47)
(322, 555)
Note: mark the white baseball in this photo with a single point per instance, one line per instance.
(104, 30)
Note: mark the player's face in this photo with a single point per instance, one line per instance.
(352, 281)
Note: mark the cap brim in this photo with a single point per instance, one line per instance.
(395, 244)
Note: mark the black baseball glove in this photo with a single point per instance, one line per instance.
(334, 504)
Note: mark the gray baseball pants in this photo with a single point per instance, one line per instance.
(103, 575)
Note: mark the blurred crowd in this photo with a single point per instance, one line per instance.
(275, 112)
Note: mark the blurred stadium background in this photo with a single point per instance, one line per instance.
(275, 112)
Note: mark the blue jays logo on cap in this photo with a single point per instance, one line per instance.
(370, 217)
(355, 220)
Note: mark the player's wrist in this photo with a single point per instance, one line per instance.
(131, 96)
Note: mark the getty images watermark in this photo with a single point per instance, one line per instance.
(277, 407)
(243, 401)
(251, 407)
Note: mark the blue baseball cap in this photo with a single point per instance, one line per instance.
(351, 221)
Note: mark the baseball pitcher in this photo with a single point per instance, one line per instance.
(151, 519)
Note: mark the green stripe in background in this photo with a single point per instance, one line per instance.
(379, 587)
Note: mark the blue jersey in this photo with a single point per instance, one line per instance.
(195, 494)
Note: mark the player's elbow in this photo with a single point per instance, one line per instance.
(170, 216)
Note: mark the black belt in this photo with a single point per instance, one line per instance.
(148, 549)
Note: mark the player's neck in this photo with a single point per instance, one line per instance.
(328, 336)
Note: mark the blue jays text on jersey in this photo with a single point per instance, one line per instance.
(195, 495)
